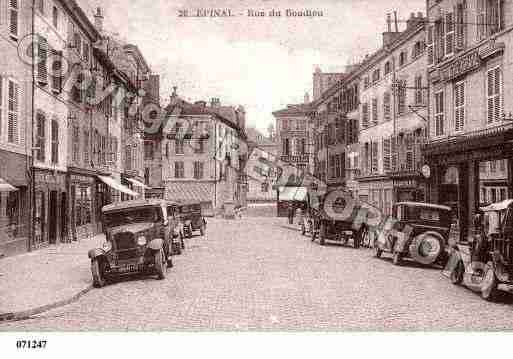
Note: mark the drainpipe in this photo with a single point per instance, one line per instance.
(32, 229)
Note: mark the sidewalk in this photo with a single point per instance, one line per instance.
(34, 282)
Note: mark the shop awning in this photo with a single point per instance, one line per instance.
(137, 183)
(292, 194)
(6, 187)
(190, 191)
(111, 182)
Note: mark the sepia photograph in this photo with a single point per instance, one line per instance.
(276, 166)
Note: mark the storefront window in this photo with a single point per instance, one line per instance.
(493, 181)
(9, 216)
(82, 206)
(40, 218)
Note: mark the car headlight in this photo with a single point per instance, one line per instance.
(107, 246)
(141, 240)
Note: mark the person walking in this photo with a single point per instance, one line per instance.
(291, 213)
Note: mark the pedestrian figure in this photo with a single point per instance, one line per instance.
(291, 213)
(299, 216)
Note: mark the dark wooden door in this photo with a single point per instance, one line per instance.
(52, 218)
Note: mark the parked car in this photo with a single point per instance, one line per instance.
(485, 263)
(319, 224)
(419, 231)
(192, 218)
(139, 238)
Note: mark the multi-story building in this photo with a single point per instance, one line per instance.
(258, 190)
(203, 159)
(470, 51)
(15, 129)
(393, 116)
(322, 81)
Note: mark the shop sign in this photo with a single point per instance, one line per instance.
(405, 184)
(461, 66)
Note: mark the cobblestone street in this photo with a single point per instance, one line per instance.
(257, 274)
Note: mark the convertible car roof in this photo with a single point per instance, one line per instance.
(136, 203)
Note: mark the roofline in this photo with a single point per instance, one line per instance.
(81, 18)
(138, 53)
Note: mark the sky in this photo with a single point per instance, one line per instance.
(261, 63)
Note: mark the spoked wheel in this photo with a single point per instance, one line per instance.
(160, 267)
(97, 270)
(489, 284)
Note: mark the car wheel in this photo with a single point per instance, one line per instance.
(397, 258)
(97, 270)
(427, 248)
(378, 252)
(456, 275)
(322, 235)
(489, 289)
(160, 268)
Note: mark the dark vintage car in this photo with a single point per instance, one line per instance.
(192, 218)
(319, 223)
(416, 230)
(139, 238)
(484, 263)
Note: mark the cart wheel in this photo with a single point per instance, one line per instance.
(160, 268)
(396, 258)
(322, 235)
(456, 275)
(97, 270)
(489, 289)
(378, 252)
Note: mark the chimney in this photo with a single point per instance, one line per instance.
(389, 22)
(395, 21)
(307, 98)
(214, 102)
(98, 19)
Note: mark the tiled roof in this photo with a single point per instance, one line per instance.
(189, 191)
(302, 108)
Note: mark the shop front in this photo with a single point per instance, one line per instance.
(82, 204)
(14, 204)
(377, 191)
(50, 216)
(409, 188)
(470, 172)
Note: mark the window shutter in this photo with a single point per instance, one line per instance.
(12, 130)
(394, 154)
(497, 92)
(42, 61)
(459, 116)
(430, 46)
(386, 105)
(375, 111)
(55, 141)
(365, 115)
(460, 27)
(14, 19)
(494, 106)
(1, 103)
(449, 33)
(481, 19)
(40, 137)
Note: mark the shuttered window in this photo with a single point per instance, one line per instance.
(460, 26)
(394, 157)
(56, 71)
(494, 84)
(459, 106)
(375, 111)
(179, 169)
(365, 115)
(386, 154)
(86, 147)
(449, 34)
(418, 90)
(40, 136)
(409, 152)
(55, 141)
(75, 144)
(440, 40)
(1, 104)
(430, 46)
(439, 113)
(13, 19)
(374, 157)
(42, 61)
(198, 170)
(481, 19)
(13, 112)
(386, 105)
(401, 106)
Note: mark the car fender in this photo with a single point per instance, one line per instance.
(401, 242)
(95, 253)
(156, 244)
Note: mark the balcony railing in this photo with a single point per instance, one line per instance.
(294, 158)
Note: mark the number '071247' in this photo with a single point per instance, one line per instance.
(31, 344)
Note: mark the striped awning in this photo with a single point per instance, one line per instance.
(111, 182)
(6, 187)
(190, 191)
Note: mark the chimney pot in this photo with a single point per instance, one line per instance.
(98, 19)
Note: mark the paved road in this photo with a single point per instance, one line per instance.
(256, 274)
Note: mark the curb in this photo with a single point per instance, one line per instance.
(26, 314)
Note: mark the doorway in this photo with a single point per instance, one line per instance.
(64, 217)
(52, 218)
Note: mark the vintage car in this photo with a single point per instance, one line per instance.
(416, 230)
(485, 263)
(319, 223)
(192, 218)
(139, 238)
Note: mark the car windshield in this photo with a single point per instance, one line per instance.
(132, 215)
(415, 213)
